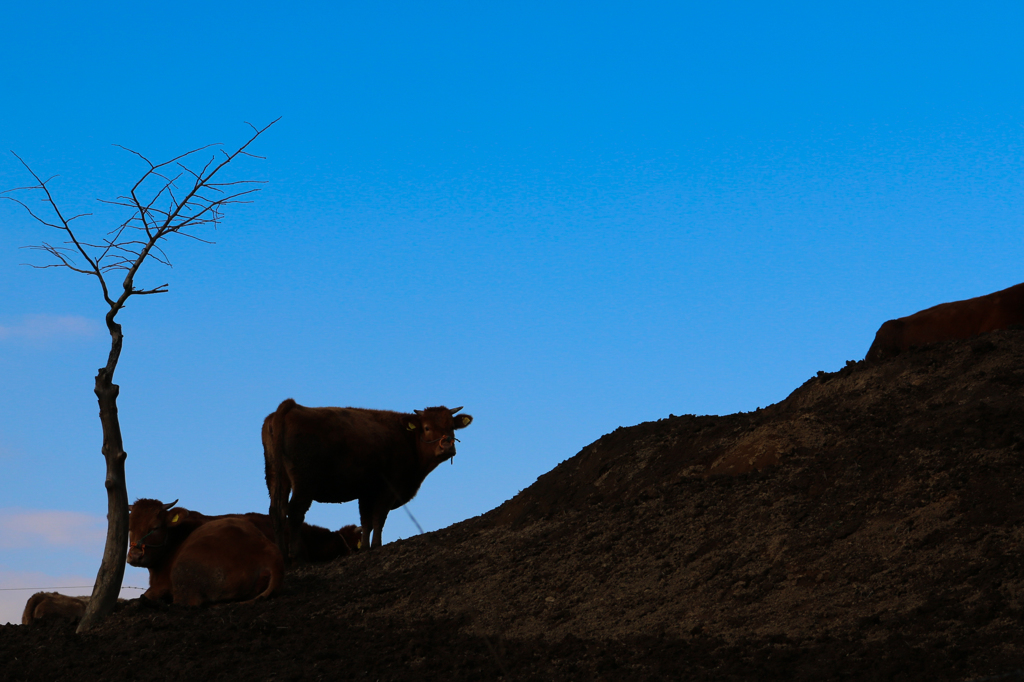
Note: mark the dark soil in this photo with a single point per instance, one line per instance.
(868, 527)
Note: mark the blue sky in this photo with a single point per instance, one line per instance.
(566, 218)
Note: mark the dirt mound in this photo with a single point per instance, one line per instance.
(867, 527)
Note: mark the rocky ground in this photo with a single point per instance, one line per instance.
(870, 526)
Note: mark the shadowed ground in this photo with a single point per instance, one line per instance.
(870, 526)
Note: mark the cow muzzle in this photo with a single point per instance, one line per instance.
(443, 445)
(446, 447)
(137, 549)
(135, 555)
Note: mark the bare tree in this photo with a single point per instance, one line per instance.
(176, 197)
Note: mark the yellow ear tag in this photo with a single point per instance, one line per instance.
(175, 519)
(466, 420)
(411, 427)
(359, 545)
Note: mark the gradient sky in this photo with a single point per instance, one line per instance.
(567, 217)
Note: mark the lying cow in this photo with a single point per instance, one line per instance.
(950, 321)
(192, 561)
(321, 544)
(338, 454)
(53, 604)
(349, 537)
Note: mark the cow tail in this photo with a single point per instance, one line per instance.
(276, 578)
(281, 486)
(276, 569)
(267, 435)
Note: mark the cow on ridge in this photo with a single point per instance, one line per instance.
(321, 544)
(53, 604)
(193, 562)
(339, 454)
(950, 321)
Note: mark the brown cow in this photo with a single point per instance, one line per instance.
(950, 321)
(321, 544)
(193, 561)
(350, 538)
(49, 604)
(339, 454)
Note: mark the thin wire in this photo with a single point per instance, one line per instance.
(64, 587)
(406, 508)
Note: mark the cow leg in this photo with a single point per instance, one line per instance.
(373, 512)
(365, 521)
(380, 515)
(297, 508)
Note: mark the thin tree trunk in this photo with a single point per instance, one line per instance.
(124, 249)
(111, 573)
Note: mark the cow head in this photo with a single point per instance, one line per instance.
(435, 431)
(149, 523)
(350, 538)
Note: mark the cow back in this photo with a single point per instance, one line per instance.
(322, 544)
(52, 604)
(952, 321)
(227, 559)
(339, 452)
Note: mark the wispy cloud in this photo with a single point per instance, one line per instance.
(26, 528)
(50, 327)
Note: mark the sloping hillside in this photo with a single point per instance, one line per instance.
(867, 527)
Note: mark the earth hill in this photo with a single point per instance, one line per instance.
(869, 526)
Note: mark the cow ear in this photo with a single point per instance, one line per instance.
(176, 516)
(462, 421)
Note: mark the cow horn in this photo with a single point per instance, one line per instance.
(168, 506)
(455, 410)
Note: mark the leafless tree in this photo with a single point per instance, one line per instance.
(176, 197)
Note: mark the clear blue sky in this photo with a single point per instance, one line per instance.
(567, 217)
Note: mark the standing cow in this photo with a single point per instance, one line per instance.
(950, 321)
(339, 454)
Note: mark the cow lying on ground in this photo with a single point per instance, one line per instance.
(338, 454)
(195, 561)
(51, 604)
(950, 321)
(321, 544)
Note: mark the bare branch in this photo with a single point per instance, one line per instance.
(132, 151)
(65, 225)
(198, 239)
(60, 253)
(162, 289)
(158, 209)
(32, 214)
